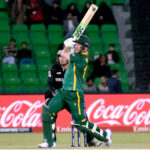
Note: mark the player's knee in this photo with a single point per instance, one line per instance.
(81, 121)
(47, 115)
(82, 126)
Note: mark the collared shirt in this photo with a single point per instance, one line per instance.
(75, 74)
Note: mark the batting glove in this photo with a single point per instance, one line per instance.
(69, 43)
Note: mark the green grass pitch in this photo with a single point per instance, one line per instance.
(31, 140)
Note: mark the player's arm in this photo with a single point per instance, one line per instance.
(68, 49)
(65, 53)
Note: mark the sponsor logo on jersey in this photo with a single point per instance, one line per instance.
(58, 73)
(59, 79)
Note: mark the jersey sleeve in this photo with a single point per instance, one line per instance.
(50, 83)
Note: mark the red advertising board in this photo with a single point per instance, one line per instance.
(120, 112)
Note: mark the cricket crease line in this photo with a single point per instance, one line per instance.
(71, 149)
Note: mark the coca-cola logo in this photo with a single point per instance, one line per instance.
(21, 113)
(133, 114)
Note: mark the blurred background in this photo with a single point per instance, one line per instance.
(119, 32)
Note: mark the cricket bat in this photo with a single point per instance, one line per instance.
(85, 21)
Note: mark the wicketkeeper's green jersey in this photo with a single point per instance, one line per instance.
(75, 74)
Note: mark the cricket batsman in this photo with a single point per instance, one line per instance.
(55, 79)
(71, 95)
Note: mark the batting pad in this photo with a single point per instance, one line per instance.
(92, 131)
(47, 126)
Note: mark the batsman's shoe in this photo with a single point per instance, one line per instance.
(95, 143)
(45, 145)
(109, 137)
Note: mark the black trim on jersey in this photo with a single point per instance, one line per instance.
(55, 79)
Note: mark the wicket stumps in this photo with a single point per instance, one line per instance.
(78, 133)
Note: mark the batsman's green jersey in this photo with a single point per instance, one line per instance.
(71, 97)
(75, 74)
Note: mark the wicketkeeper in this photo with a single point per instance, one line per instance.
(71, 95)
